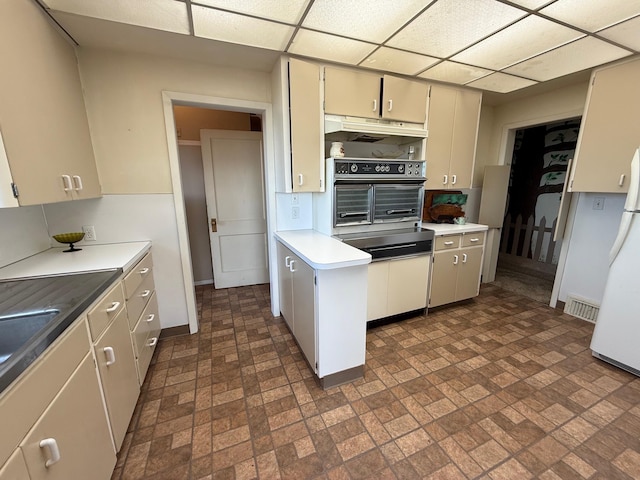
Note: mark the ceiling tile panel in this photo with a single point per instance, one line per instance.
(501, 83)
(391, 60)
(330, 47)
(454, 72)
(526, 38)
(532, 4)
(234, 28)
(289, 12)
(626, 33)
(169, 15)
(370, 20)
(448, 26)
(592, 15)
(579, 55)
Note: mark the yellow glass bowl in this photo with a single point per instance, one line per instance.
(69, 237)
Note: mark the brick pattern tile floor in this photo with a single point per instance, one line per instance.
(499, 387)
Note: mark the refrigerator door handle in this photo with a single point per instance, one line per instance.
(625, 225)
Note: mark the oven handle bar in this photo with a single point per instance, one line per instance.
(404, 210)
(353, 214)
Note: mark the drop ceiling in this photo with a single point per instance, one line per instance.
(493, 45)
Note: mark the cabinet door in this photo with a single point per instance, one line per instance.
(14, 468)
(610, 131)
(444, 277)
(408, 284)
(377, 290)
(44, 121)
(442, 101)
(118, 374)
(307, 142)
(469, 267)
(465, 135)
(351, 92)
(75, 425)
(404, 99)
(304, 328)
(285, 284)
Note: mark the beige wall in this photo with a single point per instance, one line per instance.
(123, 94)
(189, 121)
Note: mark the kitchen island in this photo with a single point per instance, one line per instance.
(323, 299)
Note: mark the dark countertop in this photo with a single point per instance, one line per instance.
(70, 294)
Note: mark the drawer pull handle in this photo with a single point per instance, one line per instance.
(375, 105)
(152, 342)
(66, 182)
(390, 105)
(449, 243)
(621, 181)
(110, 354)
(473, 240)
(287, 259)
(446, 180)
(77, 181)
(300, 179)
(464, 258)
(144, 271)
(291, 269)
(145, 294)
(151, 317)
(454, 179)
(114, 306)
(54, 452)
(455, 259)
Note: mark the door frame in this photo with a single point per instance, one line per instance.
(492, 246)
(169, 99)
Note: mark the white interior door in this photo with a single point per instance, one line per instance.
(233, 176)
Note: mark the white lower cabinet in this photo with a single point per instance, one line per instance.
(14, 468)
(397, 286)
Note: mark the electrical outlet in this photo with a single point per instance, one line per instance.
(598, 203)
(89, 233)
(295, 213)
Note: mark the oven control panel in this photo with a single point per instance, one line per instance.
(352, 168)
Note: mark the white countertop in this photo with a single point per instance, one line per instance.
(90, 259)
(322, 252)
(452, 228)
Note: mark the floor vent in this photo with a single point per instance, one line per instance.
(582, 309)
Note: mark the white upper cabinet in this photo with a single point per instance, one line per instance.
(42, 114)
(367, 95)
(610, 130)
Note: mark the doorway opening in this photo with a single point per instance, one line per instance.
(528, 257)
(205, 201)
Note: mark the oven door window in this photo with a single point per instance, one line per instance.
(397, 203)
(352, 204)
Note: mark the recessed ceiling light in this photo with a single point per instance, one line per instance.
(501, 83)
(168, 15)
(528, 37)
(626, 33)
(592, 15)
(234, 28)
(371, 20)
(454, 73)
(392, 60)
(448, 26)
(579, 55)
(329, 47)
(288, 12)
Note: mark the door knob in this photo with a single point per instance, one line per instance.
(214, 225)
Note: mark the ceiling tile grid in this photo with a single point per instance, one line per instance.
(493, 45)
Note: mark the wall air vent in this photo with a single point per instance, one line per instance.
(581, 308)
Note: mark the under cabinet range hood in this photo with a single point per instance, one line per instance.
(354, 129)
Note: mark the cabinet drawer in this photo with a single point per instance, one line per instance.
(473, 239)
(145, 336)
(137, 301)
(447, 242)
(39, 385)
(109, 307)
(137, 276)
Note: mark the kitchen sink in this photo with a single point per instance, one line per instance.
(16, 330)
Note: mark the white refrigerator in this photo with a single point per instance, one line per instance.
(616, 338)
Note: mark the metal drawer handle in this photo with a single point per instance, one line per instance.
(110, 354)
(145, 294)
(144, 271)
(287, 259)
(291, 269)
(114, 306)
(151, 317)
(404, 210)
(455, 259)
(375, 105)
(464, 258)
(77, 181)
(474, 239)
(152, 342)
(390, 105)
(449, 243)
(66, 181)
(454, 179)
(446, 180)
(300, 179)
(54, 452)
(353, 214)
(621, 181)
